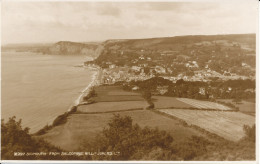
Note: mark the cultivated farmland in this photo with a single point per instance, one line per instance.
(228, 125)
(186, 103)
(204, 104)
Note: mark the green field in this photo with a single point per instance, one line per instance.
(169, 102)
(84, 127)
(112, 106)
(113, 98)
(228, 125)
(115, 93)
(245, 106)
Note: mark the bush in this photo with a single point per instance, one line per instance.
(249, 133)
(73, 109)
(61, 119)
(92, 93)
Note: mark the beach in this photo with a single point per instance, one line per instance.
(95, 81)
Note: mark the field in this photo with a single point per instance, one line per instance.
(172, 102)
(115, 93)
(81, 128)
(204, 104)
(112, 106)
(169, 102)
(228, 125)
(244, 106)
(113, 98)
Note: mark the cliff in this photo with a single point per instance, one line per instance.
(74, 48)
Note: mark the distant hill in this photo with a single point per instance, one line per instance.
(92, 49)
(177, 42)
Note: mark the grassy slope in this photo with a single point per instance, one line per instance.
(245, 106)
(84, 127)
(113, 98)
(112, 106)
(115, 93)
(168, 102)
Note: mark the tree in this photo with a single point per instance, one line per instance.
(148, 97)
(129, 139)
(17, 139)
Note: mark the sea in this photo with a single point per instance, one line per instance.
(37, 88)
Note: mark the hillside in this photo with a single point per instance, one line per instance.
(176, 49)
(231, 55)
(174, 43)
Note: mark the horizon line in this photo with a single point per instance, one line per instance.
(53, 42)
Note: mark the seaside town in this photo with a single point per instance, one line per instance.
(206, 61)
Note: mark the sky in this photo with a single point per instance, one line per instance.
(83, 21)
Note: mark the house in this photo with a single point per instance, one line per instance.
(169, 70)
(160, 70)
(191, 64)
(135, 88)
(136, 68)
(162, 89)
(111, 66)
(202, 90)
(211, 96)
(250, 90)
(141, 57)
(245, 65)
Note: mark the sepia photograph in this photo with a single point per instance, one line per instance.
(129, 80)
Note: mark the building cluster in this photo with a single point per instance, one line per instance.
(115, 73)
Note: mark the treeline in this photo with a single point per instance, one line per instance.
(231, 89)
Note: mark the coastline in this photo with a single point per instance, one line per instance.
(63, 117)
(95, 81)
(86, 90)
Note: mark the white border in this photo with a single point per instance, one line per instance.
(184, 162)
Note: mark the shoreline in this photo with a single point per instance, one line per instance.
(95, 81)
